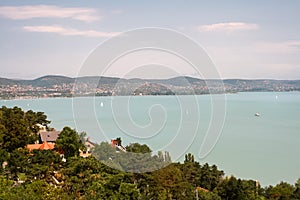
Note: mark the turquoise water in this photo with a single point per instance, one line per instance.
(265, 148)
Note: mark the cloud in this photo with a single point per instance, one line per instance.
(47, 11)
(228, 27)
(69, 31)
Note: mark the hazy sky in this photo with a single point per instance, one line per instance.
(245, 39)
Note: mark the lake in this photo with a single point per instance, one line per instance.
(264, 148)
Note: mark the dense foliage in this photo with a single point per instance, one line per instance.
(18, 128)
(41, 174)
(69, 142)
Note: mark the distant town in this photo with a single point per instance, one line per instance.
(62, 86)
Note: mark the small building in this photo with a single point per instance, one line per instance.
(115, 144)
(89, 146)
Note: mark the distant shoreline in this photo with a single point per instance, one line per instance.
(61, 86)
(70, 97)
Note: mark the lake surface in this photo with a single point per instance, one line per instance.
(265, 148)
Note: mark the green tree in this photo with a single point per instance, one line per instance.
(119, 140)
(14, 131)
(18, 128)
(296, 194)
(233, 188)
(17, 162)
(191, 170)
(189, 158)
(41, 163)
(128, 191)
(210, 176)
(282, 191)
(80, 173)
(35, 118)
(138, 148)
(171, 183)
(35, 190)
(206, 195)
(68, 142)
(104, 151)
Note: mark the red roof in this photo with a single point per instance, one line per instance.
(44, 146)
(47, 146)
(114, 143)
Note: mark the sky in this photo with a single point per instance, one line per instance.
(244, 39)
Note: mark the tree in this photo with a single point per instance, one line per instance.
(210, 176)
(128, 191)
(138, 148)
(119, 140)
(206, 195)
(14, 131)
(68, 142)
(191, 170)
(171, 182)
(189, 158)
(35, 190)
(41, 163)
(104, 151)
(18, 128)
(17, 162)
(282, 191)
(35, 118)
(296, 194)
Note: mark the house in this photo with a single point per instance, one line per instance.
(44, 146)
(49, 136)
(89, 146)
(115, 144)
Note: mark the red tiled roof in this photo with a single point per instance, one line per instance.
(44, 146)
(47, 146)
(114, 142)
(31, 147)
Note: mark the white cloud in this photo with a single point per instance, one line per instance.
(69, 31)
(47, 11)
(228, 27)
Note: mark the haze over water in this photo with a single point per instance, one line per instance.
(265, 148)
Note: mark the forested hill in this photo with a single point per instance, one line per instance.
(51, 80)
(53, 85)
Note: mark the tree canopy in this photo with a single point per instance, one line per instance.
(69, 142)
(18, 128)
